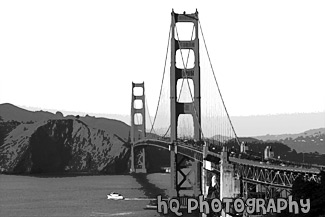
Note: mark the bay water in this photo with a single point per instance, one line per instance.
(79, 196)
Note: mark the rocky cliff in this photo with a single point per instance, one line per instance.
(62, 145)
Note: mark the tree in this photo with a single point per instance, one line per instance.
(303, 189)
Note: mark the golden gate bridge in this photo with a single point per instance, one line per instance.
(191, 122)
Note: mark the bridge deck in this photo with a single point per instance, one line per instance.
(273, 166)
(196, 153)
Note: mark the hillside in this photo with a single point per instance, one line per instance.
(9, 112)
(43, 142)
(113, 126)
(37, 142)
(62, 145)
(308, 141)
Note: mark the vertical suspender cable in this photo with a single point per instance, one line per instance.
(147, 109)
(162, 80)
(217, 84)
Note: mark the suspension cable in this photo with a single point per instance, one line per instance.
(223, 103)
(167, 131)
(162, 80)
(147, 109)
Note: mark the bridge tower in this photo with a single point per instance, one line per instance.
(192, 108)
(138, 129)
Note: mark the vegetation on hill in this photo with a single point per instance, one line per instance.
(308, 141)
(62, 145)
(281, 151)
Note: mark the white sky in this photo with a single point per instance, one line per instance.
(83, 55)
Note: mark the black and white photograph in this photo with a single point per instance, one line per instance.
(162, 108)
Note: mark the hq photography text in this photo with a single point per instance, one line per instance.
(239, 205)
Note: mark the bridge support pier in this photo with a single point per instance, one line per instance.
(141, 161)
(132, 166)
(196, 168)
(204, 176)
(185, 179)
(229, 186)
(173, 172)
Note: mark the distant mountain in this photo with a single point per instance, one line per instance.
(277, 123)
(9, 112)
(312, 132)
(308, 141)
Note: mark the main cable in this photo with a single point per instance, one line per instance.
(147, 109)
(223, 103)
(162, 81)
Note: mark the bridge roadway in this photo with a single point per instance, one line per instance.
(196, 153)
(258, 172)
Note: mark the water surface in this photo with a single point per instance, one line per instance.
(78, 196)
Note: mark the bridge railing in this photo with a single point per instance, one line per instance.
(190, 146)
(297, 164)
(258, 157)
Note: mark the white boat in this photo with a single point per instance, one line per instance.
(114, 196)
